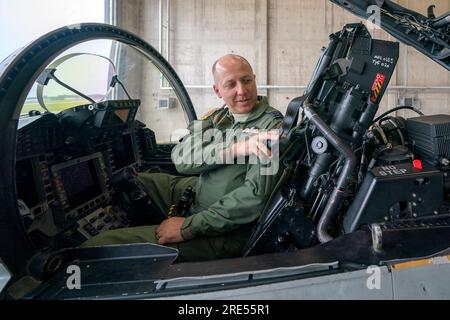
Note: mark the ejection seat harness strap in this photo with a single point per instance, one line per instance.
(291, 117)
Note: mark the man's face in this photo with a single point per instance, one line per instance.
(236, 85)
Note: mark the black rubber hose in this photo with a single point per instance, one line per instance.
(441, 21)
(338, 192)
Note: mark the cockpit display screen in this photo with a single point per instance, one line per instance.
(123, 152)
(26, 184)
(80, 183)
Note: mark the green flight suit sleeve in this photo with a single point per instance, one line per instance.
(239, 207)
(201, 150)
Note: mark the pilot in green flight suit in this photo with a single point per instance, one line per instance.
(230, 195)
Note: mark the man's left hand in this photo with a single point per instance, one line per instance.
(169, 231)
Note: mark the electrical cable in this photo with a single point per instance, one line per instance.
(396, 109)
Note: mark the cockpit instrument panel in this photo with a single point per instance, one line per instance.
(65, 164)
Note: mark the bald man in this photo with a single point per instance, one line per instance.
(231, 189)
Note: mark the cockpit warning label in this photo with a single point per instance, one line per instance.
(376, 87)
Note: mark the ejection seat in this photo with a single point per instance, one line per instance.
(291, 146)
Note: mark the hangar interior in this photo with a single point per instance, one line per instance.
(281, 39)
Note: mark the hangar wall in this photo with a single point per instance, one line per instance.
(281, 38)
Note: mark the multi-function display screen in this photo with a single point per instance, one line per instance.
(123, 152)
(26, 183)
(80, 182)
